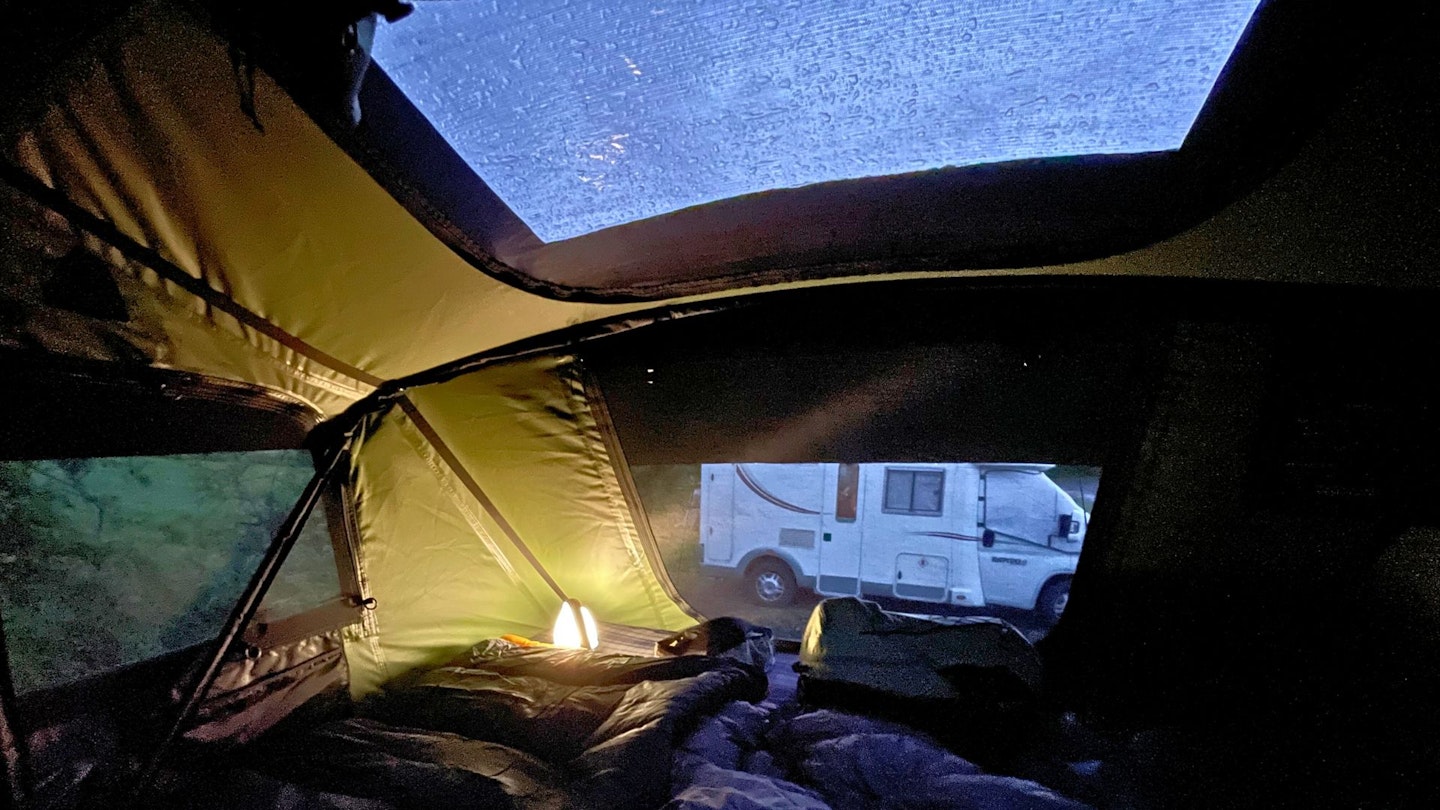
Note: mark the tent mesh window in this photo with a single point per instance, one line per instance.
(110, 561)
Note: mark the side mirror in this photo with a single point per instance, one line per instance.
(987, 538)
(1067, 526)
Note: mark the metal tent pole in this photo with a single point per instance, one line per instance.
(246, 606)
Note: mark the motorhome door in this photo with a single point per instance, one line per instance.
(841, 538)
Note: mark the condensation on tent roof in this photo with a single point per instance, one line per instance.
(587, 115)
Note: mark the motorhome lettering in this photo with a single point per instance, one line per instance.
(921, 532)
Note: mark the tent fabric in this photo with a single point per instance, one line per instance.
(442, 569)
(527, 431)
(153, 140)
(189, 336)
(439, 576)
(157, 322)
(161, 323)
(150, 138)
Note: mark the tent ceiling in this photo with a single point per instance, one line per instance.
(489, 155)
(582, 116)
(269, 255)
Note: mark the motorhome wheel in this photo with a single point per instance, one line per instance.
(771, 582)
(1053, 599)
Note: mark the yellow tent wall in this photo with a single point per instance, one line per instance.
(151, 138)
(442, 564)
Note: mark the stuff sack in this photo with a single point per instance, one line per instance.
(727, 637)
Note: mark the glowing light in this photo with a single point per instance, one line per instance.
(567, 629)
(584, 114)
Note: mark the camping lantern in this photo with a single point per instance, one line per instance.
(575, 627)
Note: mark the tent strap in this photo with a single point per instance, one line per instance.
(428, 431)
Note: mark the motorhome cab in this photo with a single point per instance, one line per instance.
(962, 534)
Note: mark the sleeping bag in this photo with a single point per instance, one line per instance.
(972, 683)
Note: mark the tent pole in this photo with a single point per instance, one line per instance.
(248, 603)
(468, 481)
(12, 738)
(560, 341)
(51, 199)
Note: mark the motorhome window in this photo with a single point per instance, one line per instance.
(767, 541)
(847, 492)
(914, 492)
(109, 561)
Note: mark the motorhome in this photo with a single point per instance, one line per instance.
(962, 534)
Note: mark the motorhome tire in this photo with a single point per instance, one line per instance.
(1053, 599)
(771, 582)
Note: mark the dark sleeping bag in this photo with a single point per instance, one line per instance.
(415, 768)
(505, 726)
(750, 758)
(972, 683)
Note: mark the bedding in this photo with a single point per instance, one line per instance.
(417, 768)
(854, 642)
(504, 726)
(971, 682)
(509, 726)
(752, 757)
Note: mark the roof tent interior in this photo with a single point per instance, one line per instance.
(207, 258)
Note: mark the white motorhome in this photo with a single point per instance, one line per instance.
(961, 534)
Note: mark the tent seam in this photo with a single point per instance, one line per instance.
(370, 620)
(590, 438)
(451, 460)
(151, 258)
(470, 517)
(338, 388)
